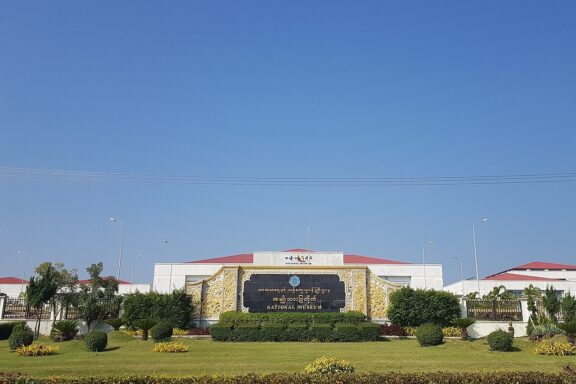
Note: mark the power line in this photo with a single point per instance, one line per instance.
(69, 175)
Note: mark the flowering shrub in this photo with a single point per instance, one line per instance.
(132, 332)
(555, 348)
(36, 350)
(524, 377)
(180, 332)
(329, 365)
(411, 331)
(392, 330)
(199, 331)
(451, 332)
(172, 347)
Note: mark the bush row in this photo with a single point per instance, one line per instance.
(175, 308)
(301, 378)
(6, 329)
(234, 317)
(414, 307)
(295, 332)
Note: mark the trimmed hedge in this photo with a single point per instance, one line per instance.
(429, 335)
(500, 341)
(6, 329)
(162, 331)
(233, 317)
(414, 307)
(295, 332)
(20, 338)
(96, 341)
(302, 378)
(369, 331)
(321, 332)
(175, 308)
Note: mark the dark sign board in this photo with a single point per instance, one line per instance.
(294, 293)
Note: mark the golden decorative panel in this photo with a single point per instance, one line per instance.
(364, 291)
(379, 291)
(229, 289)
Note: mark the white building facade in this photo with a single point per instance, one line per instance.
(168, 276)
(538, 274)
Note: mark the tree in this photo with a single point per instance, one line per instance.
(175, 308)
(473, 296)
(413, 307)
(569, 308)
(98, 299)
(66, 284)
(551, 303)
(499, 293)
(533, 294)
(41, 289)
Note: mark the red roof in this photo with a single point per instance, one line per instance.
(544, 265)
(104, 278)
(517, 277)
(248, 258)
(12, 280)
(356, 259)
(244, 258)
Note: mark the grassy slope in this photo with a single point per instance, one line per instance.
(132, 356)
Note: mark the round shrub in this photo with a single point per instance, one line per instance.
(429, 335)
(20, 338)
(96, 341)
(329, 365)
(500, 341)
(115, 323)
(161, 331)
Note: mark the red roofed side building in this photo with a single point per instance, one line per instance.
(399, 272)
(12, 286)
(538, 273)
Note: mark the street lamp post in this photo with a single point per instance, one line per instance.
(461, 274)
(121, 246)
(24, 277)
(424, 259)
(171, 262)
(475, 253)
(132, 274)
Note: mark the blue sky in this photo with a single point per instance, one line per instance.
(286, 89)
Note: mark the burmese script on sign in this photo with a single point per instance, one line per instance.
(313, 293)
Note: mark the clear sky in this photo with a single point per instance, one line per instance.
(278, 89)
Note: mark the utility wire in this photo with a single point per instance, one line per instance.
(539, 178)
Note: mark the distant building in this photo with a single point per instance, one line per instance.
(539, 274)
(293, 280)
(14, 286)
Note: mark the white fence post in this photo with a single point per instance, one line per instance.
(2, 305)
(463, 307)
(525, 310)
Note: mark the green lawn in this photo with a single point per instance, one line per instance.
(126, 355)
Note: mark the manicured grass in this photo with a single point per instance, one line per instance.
(126, 355)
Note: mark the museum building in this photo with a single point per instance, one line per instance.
(295, 280)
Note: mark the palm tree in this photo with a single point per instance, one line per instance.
(463, 323)
(497, 293)
(145, 325)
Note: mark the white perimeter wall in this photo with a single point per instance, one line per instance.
(486, 286)
(12, 290)
(434, 279)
